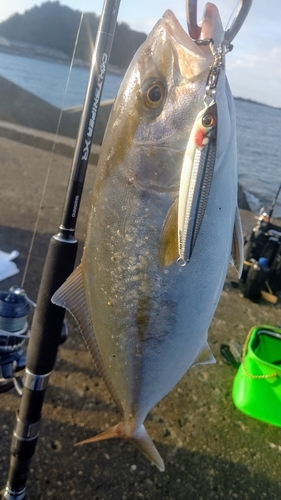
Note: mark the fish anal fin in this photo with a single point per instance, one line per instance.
(139, 437)
(168, 248)
(205, 357)
(72, 296)
(237, 250)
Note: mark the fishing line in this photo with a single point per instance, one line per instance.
(231, 15)
(52, 154)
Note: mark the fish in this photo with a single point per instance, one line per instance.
(143, 315)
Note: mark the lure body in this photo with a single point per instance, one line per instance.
(196, 179)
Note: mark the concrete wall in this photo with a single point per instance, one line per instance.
(21, 107)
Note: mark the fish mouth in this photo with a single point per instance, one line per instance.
(190, 58)
(177, 32)
(211, 27)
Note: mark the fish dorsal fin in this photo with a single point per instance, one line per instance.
(71, 295)
(237, 244)
(168, 248)
(205, 357)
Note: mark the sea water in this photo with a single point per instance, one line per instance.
(52, 81)
(258, 126)
(259, 153)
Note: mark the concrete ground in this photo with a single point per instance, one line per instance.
(210, 449)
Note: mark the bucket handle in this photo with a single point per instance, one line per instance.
(244, 352)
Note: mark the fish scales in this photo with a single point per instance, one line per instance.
(149, 316)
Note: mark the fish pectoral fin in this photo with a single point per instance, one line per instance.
(205, 357)
(237, 250)
(139, 437)
(168, 247)
(71, 295)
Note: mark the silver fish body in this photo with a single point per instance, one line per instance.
(144, 317)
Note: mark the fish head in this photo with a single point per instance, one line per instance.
(159, 99)
(171, 74)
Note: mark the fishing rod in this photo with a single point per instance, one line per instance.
(273, 203)
(48, 318)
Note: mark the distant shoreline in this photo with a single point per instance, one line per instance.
(251, 101)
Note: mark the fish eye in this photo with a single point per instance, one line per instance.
(153, 93)
(208, 120)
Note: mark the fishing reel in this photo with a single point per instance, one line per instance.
(15, 307)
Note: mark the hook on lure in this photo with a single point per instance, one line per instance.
(195, 30)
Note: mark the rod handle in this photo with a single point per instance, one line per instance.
(48, 318)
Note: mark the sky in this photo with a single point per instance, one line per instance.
(254, 65)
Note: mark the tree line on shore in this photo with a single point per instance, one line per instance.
(55, 26)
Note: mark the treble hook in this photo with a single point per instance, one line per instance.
(195, 30)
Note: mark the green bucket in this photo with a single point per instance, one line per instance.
(257, 384)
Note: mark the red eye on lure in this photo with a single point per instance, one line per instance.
(203, 127)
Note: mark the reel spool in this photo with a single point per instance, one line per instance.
(14, 309)
(14, 334)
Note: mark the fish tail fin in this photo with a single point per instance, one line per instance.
(144, 442)
(140, 438)
(112, 432)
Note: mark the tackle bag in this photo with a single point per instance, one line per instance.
(257, 384)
